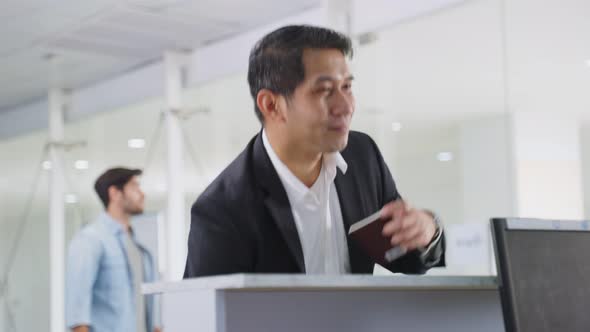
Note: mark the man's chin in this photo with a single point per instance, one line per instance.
(338, 142)
(343, 141)
(337, 146)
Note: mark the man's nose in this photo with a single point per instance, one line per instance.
(343, 103)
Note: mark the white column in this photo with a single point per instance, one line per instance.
(174, 64)
(56, 211)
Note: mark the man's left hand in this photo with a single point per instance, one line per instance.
(407, 227)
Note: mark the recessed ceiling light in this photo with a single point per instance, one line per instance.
(81, 164)
(71, 199)
(136, 143)
(588, 62)
(46, 165)
(396, 126)
(444, 156)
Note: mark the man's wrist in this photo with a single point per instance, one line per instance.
(435, 237)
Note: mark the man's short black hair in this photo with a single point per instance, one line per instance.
(276, 61)
(118, 177)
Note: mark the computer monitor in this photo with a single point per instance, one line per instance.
(543, 274)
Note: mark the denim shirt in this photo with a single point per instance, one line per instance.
(99, 283)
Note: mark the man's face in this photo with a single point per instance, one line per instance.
(320, 110)
(133, 197)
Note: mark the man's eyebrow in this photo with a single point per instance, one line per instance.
(328, 78)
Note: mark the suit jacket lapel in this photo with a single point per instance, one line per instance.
(276, 200)
(347, 196)
(283, 217)
(352, 207)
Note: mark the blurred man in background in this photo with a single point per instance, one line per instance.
(106, 265)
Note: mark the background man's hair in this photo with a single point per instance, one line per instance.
(118, 177)
(276, 61)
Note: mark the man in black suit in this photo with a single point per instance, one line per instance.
(285, 204)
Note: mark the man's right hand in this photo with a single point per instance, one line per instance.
(407, 227)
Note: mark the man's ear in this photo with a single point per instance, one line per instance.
(113, 193)
(269, 103)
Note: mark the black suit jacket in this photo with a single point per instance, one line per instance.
(243, 222)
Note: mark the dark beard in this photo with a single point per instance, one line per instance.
(133, 211)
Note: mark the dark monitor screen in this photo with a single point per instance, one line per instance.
(544, 274)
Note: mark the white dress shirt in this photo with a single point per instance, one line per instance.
(317, 214)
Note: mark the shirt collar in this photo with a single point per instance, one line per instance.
(296, 190)
(111, 224)
(332, 161)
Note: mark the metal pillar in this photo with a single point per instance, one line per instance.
(56, 211)
(174, 64)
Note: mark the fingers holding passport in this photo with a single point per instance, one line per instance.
(407, 227)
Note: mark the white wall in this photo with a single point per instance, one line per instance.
(547, 157)
(27, 291)
(487, 187)
(585, 155)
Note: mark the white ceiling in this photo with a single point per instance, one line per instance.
(543, 54)
(94, 39)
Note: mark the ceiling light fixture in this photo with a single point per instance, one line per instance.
(81, 164)
(444, 156)
(136, 143)
(71, 199)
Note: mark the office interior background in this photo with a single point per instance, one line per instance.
(480, 108)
